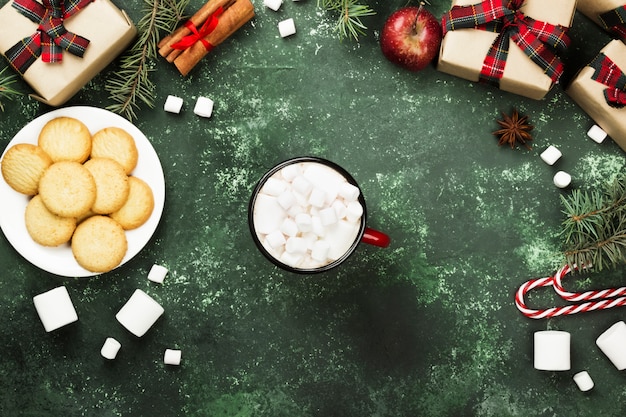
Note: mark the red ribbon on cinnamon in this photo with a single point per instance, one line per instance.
(198, 35)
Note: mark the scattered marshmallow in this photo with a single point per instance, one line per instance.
(583, 381)
(551, 155)
(157, 273)
(172, 357)
(55, 308)
(139, 313)
(273, 4)
(203, 107)
(562, 179)
(286, 28)
(110, 348)
(597, 134)
(173, 104)
(552, 350)
(613, 343)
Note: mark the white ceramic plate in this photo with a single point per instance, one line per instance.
(59, 260)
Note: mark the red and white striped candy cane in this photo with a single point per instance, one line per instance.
(555, 281)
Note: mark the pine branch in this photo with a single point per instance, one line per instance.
(6, 90)
(350, 13)
(131, 84)
(595, 226)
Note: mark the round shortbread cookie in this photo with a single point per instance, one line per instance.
(67, 189)
(117, 144)
(138, 208)
(99, 244)
(112, 186)
(23, 165)
(47, 228)
(65, 139)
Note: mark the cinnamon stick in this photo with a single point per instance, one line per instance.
(235, 16)
(198, 18)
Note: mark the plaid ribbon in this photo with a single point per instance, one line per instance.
(615, 21)
(198, 35)
(609, 74)
(540, 41)
(51, 37)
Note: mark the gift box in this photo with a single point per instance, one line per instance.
(108, 31)
(609, 14)
(591, 89)
(468, 50)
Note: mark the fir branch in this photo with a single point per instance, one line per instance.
(595, 226)
(131, 83)
(6, 89)
(350, 13)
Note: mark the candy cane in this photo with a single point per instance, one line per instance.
(555, 282)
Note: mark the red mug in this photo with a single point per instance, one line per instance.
(364, 234)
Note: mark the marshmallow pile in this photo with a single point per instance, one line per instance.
(307, 215)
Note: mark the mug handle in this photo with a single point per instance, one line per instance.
(375, 237)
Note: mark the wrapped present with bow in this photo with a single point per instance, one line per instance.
(609, 14)
(57, 46)
(510, 44)
(600, 90)
(211, 25)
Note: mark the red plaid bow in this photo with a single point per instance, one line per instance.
(615, 21)
(538, 40)
(51, 37)
(609, 74)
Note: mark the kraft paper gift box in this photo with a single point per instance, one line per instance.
(108, 29)
(463, 51)
(609, 14)
(589, 94)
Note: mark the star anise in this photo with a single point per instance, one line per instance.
(515, 128)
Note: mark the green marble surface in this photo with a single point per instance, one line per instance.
(426, 327)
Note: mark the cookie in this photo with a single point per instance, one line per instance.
(117, 144)
(67, 189)
(47, 228)
(138, 208)
(112, 186)
(65, 139)
(23, 165)
(99, 244)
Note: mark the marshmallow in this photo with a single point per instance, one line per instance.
(304, 222)
(286, 200)
(550, 155)
(139, 313)
(274, 187)
(613, 343)
(286, 28)
(583, 380)
(302, 185)
(157, 273)
(340, 209)
(289, 227)
(328, 216)
(276, 239)
(317, 227)
(562, 179)
(552, 350)
(110, 348)
(597, 134)
(294, 210)
(317, 198)
(320, 250)
(290, 172)
(173, 104)
(268, 214)
(342, 235)
(172, 357)
(273, 4)
(354, 211)
(203, 107)
(296, 245)
(291, 259)
(349, 192)
(55, 308)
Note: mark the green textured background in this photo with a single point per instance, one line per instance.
(426, 327)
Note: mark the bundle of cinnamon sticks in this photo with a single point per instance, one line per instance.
(207, 28)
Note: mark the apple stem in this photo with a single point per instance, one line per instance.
(421, 6)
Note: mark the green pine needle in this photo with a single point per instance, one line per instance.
(131, 84)
(595, 226)
(6, 90)
(350, 13)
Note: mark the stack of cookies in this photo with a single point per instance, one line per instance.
(83, 191)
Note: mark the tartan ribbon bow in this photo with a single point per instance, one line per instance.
(609, 74)
(198, 35)
(51, 37)
(615, 21)
(538, 40)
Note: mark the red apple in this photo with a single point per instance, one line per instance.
(411, 37)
